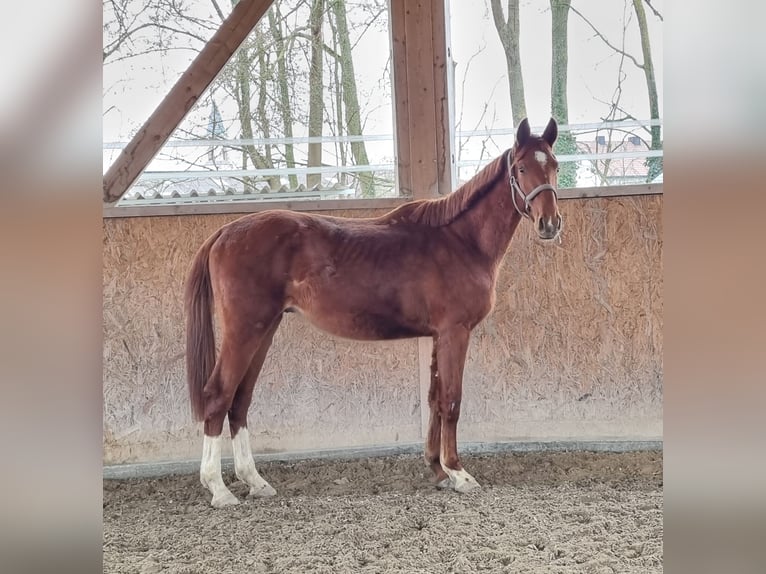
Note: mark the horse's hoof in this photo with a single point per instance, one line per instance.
(463, 482)
(466, 486)
(263, 491)
(223, 500)
(444, 484)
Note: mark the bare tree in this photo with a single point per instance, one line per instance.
(647, 66)
(316, 90)
(654, 163)
(607, 170)
(283, 87)
(485, 141)
(249, 57)
(565, 144)
(350, 96)
(335, 115)
(134, 28)
(508, 31)
(275, 83)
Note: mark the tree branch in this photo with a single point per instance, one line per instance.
(153, 50)
(181, 32)
(326, 48)
(368, 25)
(115, 45)
(604, 39)
(653, 9)
(497, 15)
(218, 10)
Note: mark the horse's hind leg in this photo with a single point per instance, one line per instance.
(244, 465)
(433, 438)
(219, 391)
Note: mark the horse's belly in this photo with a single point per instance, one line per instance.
(361, 314)
(363, 303)
(363, 325)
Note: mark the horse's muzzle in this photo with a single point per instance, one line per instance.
(549, 227)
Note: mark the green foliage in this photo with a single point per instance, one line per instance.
(655, 167)
(566, 145)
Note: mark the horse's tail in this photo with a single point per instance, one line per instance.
(200, 334)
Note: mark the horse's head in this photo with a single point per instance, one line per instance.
(533, 173)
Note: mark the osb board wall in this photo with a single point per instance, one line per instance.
(572, 349)
(313, 391)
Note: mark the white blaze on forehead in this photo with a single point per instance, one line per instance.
(541, 157)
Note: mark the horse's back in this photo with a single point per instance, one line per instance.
(283, 246)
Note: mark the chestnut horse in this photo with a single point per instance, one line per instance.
(426, 269)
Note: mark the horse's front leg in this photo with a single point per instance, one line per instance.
(451, 350)
(433, 438)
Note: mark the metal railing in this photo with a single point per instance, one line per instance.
(172, 186)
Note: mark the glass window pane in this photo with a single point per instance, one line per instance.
(609, 111)
(303, 110)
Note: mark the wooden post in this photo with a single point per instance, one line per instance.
(425, 350)
(444, 98)
(401, 98)
(422, 68)
(183, 95)
(422, 65)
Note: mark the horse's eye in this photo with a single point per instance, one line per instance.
(521, 169)
(557, 169)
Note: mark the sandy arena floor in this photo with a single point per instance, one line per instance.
(567, 513)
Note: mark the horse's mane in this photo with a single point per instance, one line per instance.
(444, 210)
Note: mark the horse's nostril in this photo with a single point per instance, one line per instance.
(541, 224)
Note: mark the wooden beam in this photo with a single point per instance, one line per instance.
(344, 204)
(422, 107)
(444, 98)
(385, 203)
(181, 98)
(425, 348)
(401, 98)
(421, 88)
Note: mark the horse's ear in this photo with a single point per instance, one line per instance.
(551, 132)
(522, 133)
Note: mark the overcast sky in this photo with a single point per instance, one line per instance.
(133, 90)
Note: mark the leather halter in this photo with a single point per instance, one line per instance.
(528, 197)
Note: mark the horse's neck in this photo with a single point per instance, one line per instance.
(491, 222)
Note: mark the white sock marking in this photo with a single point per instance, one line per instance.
(210, 473)
(460, 480)
(244, 465)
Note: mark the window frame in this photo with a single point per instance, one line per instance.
(423, 103)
